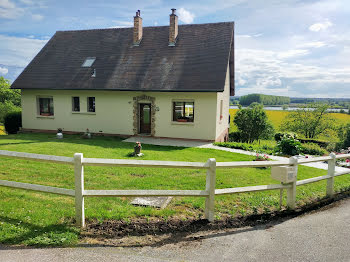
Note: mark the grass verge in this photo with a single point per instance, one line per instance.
(31, 218)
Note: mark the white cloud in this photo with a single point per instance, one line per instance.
(37, 17)
(185, 16)
(316, 44)
(122, 24)
(271, 72)
(8, 10)
(320, 26)
(293, 53)
(6, 4)
(3, 70)
(18, 51)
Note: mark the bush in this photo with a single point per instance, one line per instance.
(264, 146)
(7, 107)
(288, 146)
(313, 149)
(346, 142)
(279, 136)
(13, 122)
(252, 123)
(235, 137)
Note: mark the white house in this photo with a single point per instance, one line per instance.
(165, 81)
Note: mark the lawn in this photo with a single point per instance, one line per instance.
(31, 218)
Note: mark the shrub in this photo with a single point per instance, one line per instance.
(265, 146)
(288, 146)
(252, 123)
(13, 122)
(235, 137)
(346, 142)
(313, 149)
(279, 136)
(5, 108)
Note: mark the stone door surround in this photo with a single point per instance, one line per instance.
(136, 115)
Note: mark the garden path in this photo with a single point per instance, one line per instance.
(200, 144)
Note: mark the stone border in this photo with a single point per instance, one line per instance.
(136, 116)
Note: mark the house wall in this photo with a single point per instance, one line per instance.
(222, 124)
(114, 113)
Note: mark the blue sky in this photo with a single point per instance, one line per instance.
(283, 47)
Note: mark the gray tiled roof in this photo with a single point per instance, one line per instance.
(198, 62)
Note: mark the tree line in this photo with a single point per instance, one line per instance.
(263, 99)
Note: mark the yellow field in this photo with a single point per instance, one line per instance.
(277, 118)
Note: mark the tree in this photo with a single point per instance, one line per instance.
(10, 99)
(311, 120)
(7, 94)
(252, 123)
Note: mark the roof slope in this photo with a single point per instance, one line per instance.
(198, 62)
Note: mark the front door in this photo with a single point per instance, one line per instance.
(145, 118)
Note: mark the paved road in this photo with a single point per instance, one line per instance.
(319, 236)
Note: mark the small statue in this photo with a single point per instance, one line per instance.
(59, 133)
(87, 134)
(137, 149)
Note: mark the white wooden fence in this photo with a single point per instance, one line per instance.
(209, 192)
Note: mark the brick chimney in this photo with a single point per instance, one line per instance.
(173, 28)
(137, 35)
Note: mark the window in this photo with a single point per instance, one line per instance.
(221, 105)
(88, 62)
(46, 106)
(91, 104)
(183, 111)
(75, 104)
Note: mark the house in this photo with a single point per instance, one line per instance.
(163, 81)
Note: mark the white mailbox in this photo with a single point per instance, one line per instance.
(284, 174)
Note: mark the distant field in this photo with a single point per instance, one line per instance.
(277, 118)
(2, 130)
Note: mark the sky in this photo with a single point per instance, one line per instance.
(282, 47)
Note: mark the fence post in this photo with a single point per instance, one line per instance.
(331, 172)
(210, 188)
(79, 189)
(292, 190)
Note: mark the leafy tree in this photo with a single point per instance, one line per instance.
(252, 123)
(311, 120)
(10, 99)
(7, 94)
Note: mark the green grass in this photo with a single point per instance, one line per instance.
(31, 218)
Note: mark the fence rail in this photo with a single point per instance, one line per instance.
(209, 192)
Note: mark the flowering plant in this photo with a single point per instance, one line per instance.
(260, 157)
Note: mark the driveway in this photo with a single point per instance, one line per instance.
(319, 236)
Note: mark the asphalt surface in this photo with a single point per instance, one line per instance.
(319, 236)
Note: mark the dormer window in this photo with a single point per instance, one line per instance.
(88, 62)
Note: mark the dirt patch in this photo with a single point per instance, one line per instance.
(140, 232)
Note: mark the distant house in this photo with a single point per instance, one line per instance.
(164, 81)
